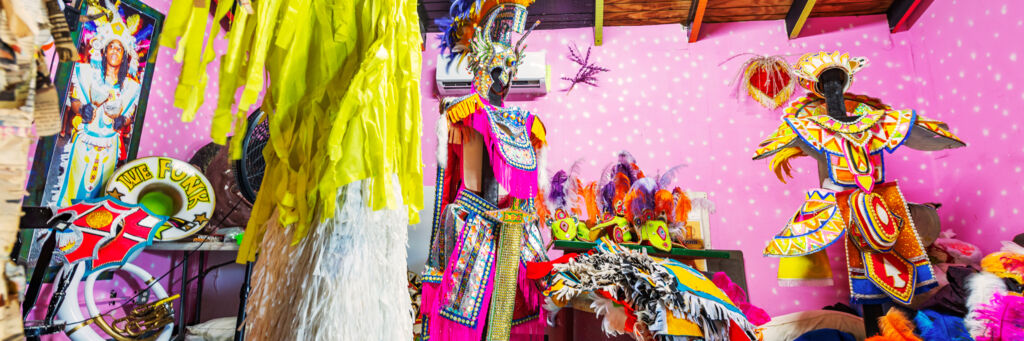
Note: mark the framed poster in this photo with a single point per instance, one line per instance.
(103, 94)
(697, 234)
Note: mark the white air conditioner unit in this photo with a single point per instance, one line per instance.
(532, 77)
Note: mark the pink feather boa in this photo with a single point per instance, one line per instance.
(1003, 317)
(754, 314)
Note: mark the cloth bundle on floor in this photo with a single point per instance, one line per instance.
(645, 296)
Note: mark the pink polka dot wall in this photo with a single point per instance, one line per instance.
(671, 102)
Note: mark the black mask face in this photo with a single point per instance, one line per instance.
(831, 84)
(496, 94)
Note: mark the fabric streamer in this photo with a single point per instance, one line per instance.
(342, 96)
(344, 166)
(337, 284)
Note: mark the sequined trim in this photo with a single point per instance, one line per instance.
(509, 125)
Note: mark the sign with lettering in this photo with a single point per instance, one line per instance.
(169, 187)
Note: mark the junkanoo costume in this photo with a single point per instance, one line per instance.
(344, 170)
(855, 205)
(485, 227)
(96, 146)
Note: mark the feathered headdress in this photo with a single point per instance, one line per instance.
(130, 32)
(615, 182)
(564, 193)
(652, 198)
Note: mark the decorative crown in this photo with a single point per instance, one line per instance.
(810, 66)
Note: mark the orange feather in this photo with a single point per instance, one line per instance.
(896, 326)
(542, 210)
(683, 205)
(590, 198)
(663, 204)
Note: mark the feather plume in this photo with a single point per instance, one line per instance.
(564, 191)
(982, 288)
(441, 153)
(663, 204)
(896, 326)
(683, 206)
(590, 198)
(542, 210)
(665, 180)
(640, 198)
(621, 185)
(1002, 319)
(542, 167)
(703, 204)
(780, 162)
(627, 165)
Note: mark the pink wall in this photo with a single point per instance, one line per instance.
(669, 102)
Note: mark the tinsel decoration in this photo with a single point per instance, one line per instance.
(769, 80)
(587, 74)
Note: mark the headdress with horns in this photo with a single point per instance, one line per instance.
(482, 30)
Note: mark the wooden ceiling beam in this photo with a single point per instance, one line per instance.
(598, 22)
(899, 13)
(697, 18)
(797, 16)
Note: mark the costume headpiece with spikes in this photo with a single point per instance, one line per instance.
(482, 30)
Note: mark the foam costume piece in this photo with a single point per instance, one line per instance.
(490, 170)
(342, 98)
(645, 296)
(855, 205)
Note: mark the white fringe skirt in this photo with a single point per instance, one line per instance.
(346, 280)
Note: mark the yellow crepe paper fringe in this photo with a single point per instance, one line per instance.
(343, 101)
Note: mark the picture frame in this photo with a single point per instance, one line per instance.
(103, 101)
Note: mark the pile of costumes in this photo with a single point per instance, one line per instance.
(647, 297)
(636, 294)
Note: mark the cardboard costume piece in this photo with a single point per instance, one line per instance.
(855, 204)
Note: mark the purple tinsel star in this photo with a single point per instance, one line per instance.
(587, 72)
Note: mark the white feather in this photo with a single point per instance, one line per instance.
(543, 179)
(442, 141)
(982, 288)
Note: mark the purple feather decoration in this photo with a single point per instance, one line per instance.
(645, 200)
(625, 166)
(587, 74)
(556, 196)
(665, 180)
(564, 192)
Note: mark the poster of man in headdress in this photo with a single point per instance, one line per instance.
(103, 93)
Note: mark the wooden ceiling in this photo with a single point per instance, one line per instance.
(690, 13)
(751, 10)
